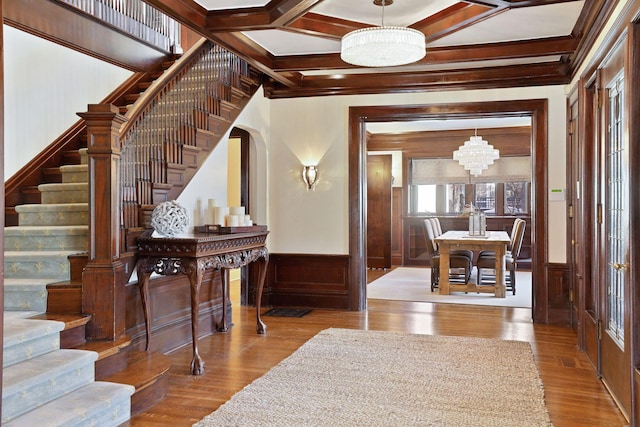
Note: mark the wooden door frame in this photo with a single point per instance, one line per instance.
(361, 115)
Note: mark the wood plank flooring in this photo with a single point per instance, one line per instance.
(575, 397)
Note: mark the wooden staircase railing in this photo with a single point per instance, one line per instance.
(163, 139)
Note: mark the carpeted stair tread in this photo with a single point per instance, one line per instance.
(17, 283)
(27, 338)
(99, 403)
(37, 207)
(63, 186)
(46, 230)
(39, 254)
(23, 314)
(36, 381)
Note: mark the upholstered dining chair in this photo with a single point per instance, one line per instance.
(487, 259)
(457, 262)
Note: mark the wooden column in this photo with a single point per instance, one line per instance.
(103, 279)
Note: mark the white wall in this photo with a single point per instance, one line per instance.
(45, 86)
(307, 129)
(210, 182)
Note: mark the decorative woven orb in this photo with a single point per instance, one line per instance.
(169, 218)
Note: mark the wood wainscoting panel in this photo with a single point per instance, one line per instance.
(170, 299)
(308, 280)
(559, 296)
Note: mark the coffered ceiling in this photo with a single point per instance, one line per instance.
(470, 44)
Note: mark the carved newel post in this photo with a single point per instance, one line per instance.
(103, 278)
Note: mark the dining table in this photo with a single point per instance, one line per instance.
(452, 240)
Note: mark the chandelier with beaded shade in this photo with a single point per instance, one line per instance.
(384, 46)
(476, 155)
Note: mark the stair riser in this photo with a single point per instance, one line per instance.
(20, 399)
(30, 349)
(43, 243)
(75, 177)
(25, 301)
(68, 196)
(26, 339)
(55, 268)
(54, 218)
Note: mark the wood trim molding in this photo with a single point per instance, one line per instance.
(359, 116)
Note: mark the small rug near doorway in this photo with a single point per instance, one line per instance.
(287, 312)
(346, 378)
(414, 284)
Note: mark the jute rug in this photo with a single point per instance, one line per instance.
(345, 377)
(414, 284)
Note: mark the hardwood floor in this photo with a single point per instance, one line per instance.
(574, 395)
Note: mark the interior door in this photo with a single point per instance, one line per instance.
(615, 352)
(379, 211)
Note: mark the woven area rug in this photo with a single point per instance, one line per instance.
(414, 284)
(345, 377)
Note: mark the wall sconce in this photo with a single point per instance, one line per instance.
(310, 175)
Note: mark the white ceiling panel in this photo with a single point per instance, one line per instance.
(279, 42)
(519, 24)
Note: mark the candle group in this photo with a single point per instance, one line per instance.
(225, 216)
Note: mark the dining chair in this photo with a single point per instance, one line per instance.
(457, 262)
(487, 259)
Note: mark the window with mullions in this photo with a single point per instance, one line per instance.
(442, 187)
(516, 197)
(485, 197)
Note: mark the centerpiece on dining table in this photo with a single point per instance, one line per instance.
(477, 222)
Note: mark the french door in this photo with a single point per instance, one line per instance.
(614, 336)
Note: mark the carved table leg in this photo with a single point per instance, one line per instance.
(143, 284)
(224, 277)
(261, 328)
(195, 278)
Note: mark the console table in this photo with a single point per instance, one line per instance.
(191, 256)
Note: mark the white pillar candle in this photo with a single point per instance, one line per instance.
(220, 214)
(236, 210)
(247, 220)
(232, 220)
(210, 214)
(197, 213)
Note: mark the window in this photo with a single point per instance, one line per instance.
(485, 197)
(516, 197)
(426, 199)
(442, 187)
(455, 198)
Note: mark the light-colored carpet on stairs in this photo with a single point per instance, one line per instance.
(345, 378)
(414, 284)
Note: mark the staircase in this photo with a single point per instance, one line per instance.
(48, 367)
(44, 384)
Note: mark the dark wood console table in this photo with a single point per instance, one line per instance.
(191, 256)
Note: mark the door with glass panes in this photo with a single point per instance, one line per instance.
(615, 353)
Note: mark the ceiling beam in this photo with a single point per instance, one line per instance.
(491, 51)
(194, 16)
(277, 13)
(454, 18)
(376, 83)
